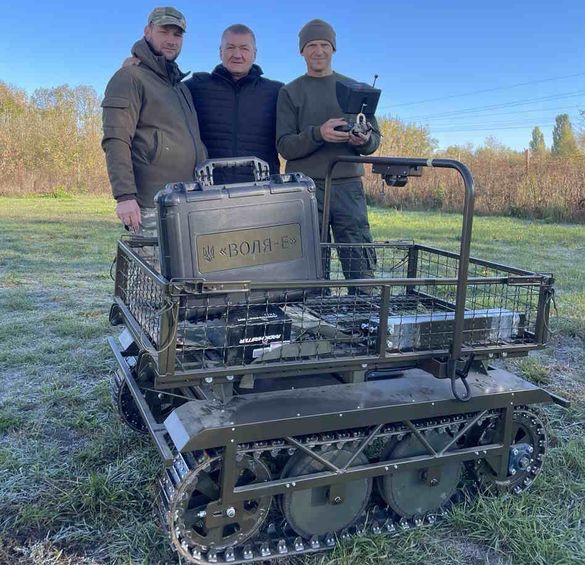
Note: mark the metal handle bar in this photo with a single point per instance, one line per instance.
(468, 205)
(204, 172)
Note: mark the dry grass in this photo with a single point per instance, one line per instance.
(549, 188)
(51, 145)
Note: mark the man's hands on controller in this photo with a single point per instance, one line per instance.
(360, 138)
(332, 135)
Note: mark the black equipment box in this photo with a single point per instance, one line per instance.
(260, 231)
(355, 97)
(245, 333)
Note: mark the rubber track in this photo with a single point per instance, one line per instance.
(274, 539)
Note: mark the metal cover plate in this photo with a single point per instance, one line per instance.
(417, 394)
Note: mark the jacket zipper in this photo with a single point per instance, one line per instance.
(236, 119)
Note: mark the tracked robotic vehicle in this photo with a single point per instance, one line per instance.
(294, 407)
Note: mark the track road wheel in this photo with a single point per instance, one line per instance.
(525, 458)
(317, 511)
(201, 486)
(116, 317)
(415, 492)
(160, 403)
(126, 405)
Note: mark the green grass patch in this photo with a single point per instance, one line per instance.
(9, 420)
(77, 486)
(18, 300)
(533, 371)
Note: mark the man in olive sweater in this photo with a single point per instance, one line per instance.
(307, 115)
(151, 134)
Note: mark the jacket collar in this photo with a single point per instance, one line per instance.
(221, 72)
(157, 63)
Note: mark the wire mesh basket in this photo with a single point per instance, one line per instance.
(404, 311)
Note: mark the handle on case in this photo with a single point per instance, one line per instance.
(204, 172)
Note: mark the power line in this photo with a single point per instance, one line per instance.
(490, 128)
(489, 124)
(449, 97)
(515, 112)
(514, 103)
(522, 121)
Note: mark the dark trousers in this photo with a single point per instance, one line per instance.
(348, 223)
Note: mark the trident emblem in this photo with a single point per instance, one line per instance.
(209, 253)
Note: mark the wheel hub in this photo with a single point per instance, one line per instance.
(329, 509)
(414, 492)
(519, 458)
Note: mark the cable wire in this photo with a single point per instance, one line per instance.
(484, 90)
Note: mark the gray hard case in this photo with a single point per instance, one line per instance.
(262, 231)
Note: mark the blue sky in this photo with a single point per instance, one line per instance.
(468, 69)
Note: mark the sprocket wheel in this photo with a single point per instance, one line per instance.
(313, 512)
(526, 455)
(415, 492)
(200, 487)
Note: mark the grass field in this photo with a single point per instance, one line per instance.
(76, 486)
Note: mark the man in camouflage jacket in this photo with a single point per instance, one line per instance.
(151, 134)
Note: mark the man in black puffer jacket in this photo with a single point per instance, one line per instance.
(236, 106)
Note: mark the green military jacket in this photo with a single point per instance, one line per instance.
(151, 134)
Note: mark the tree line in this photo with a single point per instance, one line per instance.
(50, 144)
(565, 142)
(50, 141)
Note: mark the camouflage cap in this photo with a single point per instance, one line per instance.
(167, 16)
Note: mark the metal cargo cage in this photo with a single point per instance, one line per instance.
(404, 315)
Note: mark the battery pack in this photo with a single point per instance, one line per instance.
(434, 331)
(246, 333)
